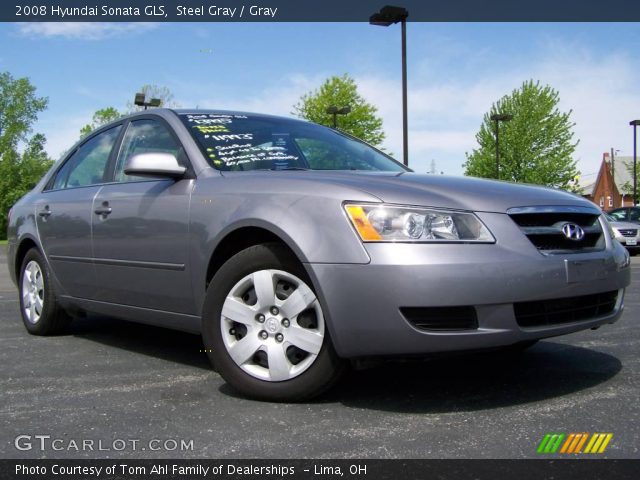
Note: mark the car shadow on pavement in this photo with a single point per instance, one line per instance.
(438, 384)
(171, 345)
(476, 381)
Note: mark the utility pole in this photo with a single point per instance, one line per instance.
(613, 165)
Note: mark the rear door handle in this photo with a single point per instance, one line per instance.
(103, 209)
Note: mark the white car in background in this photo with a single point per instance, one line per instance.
(627, 233)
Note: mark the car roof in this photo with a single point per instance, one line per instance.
(172, 112)
(197, 111)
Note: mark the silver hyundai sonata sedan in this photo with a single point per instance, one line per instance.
(293, 248)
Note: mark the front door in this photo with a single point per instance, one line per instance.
(141, 227)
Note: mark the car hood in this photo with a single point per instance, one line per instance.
(464, 193)
(624, 225)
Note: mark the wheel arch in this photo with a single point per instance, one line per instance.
(243, 236)
(246, 234)
(25, 244)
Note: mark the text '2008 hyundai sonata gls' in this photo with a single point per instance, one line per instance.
(293, 248)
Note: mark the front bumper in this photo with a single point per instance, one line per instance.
(362, 302)
(635, 243)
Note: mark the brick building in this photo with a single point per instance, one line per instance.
(608, 188)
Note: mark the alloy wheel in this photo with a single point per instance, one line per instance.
(32, 292)
(272, 325)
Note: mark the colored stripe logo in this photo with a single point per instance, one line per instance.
(574, 443)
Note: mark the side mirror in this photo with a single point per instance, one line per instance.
(154, 165)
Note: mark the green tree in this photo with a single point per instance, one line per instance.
(101, 117)
(536, 146)
(627, 187)
(362, 122)
(23, 160)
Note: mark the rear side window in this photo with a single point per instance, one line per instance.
(88, 164)
(145, 136)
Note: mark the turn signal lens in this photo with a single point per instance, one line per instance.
(361, 222)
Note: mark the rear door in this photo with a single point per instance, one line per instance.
(141, 227)
(64, 213)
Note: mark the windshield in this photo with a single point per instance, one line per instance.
(247, 142)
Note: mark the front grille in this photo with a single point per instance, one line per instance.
(628, 233)
(544, 229)
(441, 318)
(564, 310)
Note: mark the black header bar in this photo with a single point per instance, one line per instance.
(316, 10)
(579, 469)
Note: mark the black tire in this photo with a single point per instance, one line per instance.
(322, 372)
(52, 319)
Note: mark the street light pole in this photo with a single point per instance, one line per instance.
(405, 121)
(635, 123)
(499, 117)
(335, 111)
(140, 101)
(498, 149)
(385, 17)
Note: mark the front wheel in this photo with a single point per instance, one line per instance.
(264, 328)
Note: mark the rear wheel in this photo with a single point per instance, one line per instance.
(264, 327)
(41, 312)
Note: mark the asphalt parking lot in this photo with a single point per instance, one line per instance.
(109, 380)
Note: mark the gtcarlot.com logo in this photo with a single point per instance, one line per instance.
(574, 443)
(47, 442)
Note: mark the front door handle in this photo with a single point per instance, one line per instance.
(103, 209)
(45, 212)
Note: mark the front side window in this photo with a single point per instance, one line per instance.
(634, 215)
(240, 142)
(145, 136)
(88, 164)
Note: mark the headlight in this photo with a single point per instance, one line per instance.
(391, 223)
(613, 233)
(616, 233)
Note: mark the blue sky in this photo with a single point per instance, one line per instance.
(456, 71)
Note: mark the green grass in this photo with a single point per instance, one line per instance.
(3, 242)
